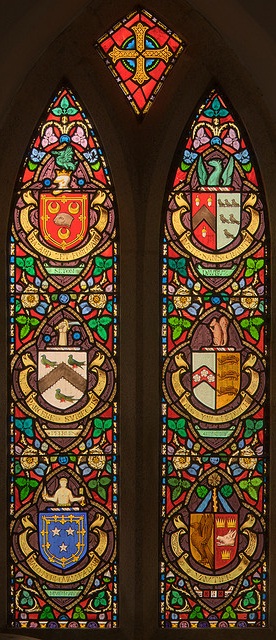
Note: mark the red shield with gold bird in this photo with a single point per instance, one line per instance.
(214, 538)
(63, 219)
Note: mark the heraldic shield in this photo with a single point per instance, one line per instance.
(216, 216)
(216, 376)
(213, 538)
(63, 219)
(63, 537)
(62, 376)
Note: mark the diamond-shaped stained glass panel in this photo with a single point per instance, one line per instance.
(140, 51)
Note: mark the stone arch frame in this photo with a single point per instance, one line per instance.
(138, 168)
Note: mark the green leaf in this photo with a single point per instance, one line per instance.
(29, 261)
(17, 467)
(101, 331)
(34, 322)
(71, 111)
(222, 113)
(170, 467)
(250, 262)
(107, 424)
(181, 431)
(176, 598)
(177, 332)
(173, 482)
(21, 482)
(226, 490)
(258, 425)
(259, 264)
(174, 321)
(64, 103)
(249, 273)
(170, 306)
(99, 262)
(216, 105)
(185, 323)
(98, 422)
(202, 491)
(257, 321)
(24, 331)
(93, 484)
(33, 483)
(20, 262)
(172, 424)
(105, 320)
(184, 166)
(24, 492)
(102, 492)
(93, 323)
(97, 271)
(256, 482)
(209, 113)
(97, 602)
(247, 167)
(47, 613)
(243, 484)
(176, 493)
(30, 271)
(172, 264)
(185, 484)
(108, 263)
(57, 111)
(108, 467)
(104, 481)
(21, 319)
(254, 333)
(32, 165)
(96, 166)
(196, 613)
(17, 306)
(97, 433)
(245, 323)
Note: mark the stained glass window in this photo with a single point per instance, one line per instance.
(140, 51)
(63, 346)
(214, 349)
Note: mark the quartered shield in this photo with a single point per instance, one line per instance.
(62, 376)
(63, 537)
(216, 217)
(63, 219)
(216, 376)
(213, 538)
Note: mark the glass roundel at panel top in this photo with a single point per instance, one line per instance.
(63, 364)
(214, 353)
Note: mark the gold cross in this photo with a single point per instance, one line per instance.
(140, 53)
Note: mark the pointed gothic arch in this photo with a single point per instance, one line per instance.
(215, 417)
(140, 202)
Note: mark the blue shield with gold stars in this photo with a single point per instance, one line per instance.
(63, 536)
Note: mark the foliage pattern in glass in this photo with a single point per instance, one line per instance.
(63, 337)
(214, 348)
